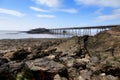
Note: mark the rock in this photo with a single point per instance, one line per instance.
(83, 60)
(7, 76)
(116, 29)
(68, 61)
(3, 60)
(80, 78)
(41, 54)
(86, 74)
(35, 56)
(49, 50)
(57, 77)
(51, 57)
(81, 63)
(15, 67)
(4, 68)
(93, 61)
(8, 54)
(45, 65)
(70, 47)
(46, 68)
(73, 73)
(102, 74)
(20, 55)
(63, 78)
(110, 77)
(78, 58)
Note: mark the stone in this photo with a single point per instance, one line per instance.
(51, 57)
(80, 78)
(57, 77)
(110, 77)
(45, 64)
(73, 73)
(86, 74)
(4, 68)
(71, 47)
(102, 74)
(15, 67)
(20, 55)
(3, 60)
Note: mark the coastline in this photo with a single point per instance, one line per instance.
(7, 44)
(77, 58)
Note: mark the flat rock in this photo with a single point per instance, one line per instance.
(45, 65)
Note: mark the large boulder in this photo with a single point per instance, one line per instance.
(45, 68)
(45, 65)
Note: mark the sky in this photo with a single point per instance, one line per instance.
(30, 14)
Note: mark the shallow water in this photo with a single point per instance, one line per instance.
(19, 35)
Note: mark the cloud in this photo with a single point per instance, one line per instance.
(38, 9)
(115, 15)
(72, 10)
(49, 3)
(99, 11)
(105, 3)
(45, 16)
(11, 12)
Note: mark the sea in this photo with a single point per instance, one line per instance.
(22, 35)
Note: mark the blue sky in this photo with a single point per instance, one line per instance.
(29, 14)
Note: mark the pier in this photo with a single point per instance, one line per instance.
(81, 31)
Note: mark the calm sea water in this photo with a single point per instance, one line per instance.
(18, 35)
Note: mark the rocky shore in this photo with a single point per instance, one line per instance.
(77, 58)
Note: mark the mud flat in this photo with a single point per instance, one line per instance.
(77, 58)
